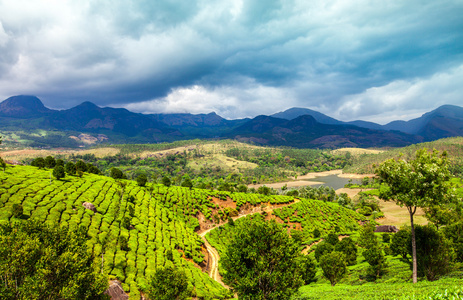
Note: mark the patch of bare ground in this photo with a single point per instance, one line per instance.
(393, 213)
(212, 258)
(399, 216)
(356, 151)
(32, 153)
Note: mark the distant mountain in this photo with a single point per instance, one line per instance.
(295, 112)
(296, 127)
(445, 121)
(306, 132)
(200, 125)
(23, 107)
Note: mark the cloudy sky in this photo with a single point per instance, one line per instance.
(350, 59)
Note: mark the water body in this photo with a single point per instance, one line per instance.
(333, 181)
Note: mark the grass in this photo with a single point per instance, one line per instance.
(420, 290)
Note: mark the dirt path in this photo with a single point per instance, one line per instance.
(214, 255)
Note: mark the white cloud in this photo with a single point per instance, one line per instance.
(245, 100)
(404, 99)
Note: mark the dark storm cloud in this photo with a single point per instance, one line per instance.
(238, 58)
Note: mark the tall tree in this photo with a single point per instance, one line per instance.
(421, 182)
(263, 262)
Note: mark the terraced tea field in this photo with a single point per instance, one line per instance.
(158, 222)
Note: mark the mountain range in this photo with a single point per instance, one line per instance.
(295, 127)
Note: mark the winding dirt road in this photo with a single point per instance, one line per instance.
(214, 255)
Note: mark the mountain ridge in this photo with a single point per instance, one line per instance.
(283, 128)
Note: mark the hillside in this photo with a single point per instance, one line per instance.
(159, 223)
(363, 164)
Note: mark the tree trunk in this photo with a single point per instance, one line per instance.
(415, 271)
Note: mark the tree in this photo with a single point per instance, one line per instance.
(400, 241)
(373, 253)
(332, 238)
(2, 164)
(333, 266)
(454, 232)
(322, 249)
(167, 284)
(421, 182)
(166, 181)
(141, 180)
(187, 182)
(58, 172)
(70, 168)
(59, 162)
(39, 162)
(41, 262)
(116, 173)
(81, 166)
(348, 247)
(261, 261)
(435, 252)
(50, 162)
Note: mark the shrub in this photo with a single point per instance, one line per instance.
(141, 180)
(17, 210)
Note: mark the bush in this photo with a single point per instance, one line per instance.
(17, 210)
(141, 180)
(123, 244)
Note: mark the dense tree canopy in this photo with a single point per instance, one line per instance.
(39, 262)
(261, 261)
(169, 284)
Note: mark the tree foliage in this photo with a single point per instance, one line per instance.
(261, 261)
(434, 251)
(333, 266)
(348, 247)
(141, 180)
(421, 182)
(168, 284)
(39, 262)
(58, 172)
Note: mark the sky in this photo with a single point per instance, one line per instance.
(371, 60)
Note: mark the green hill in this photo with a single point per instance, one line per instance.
(158, 222)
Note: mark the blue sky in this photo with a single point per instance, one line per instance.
(370, 60)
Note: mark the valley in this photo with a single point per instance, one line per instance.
(137, 229)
